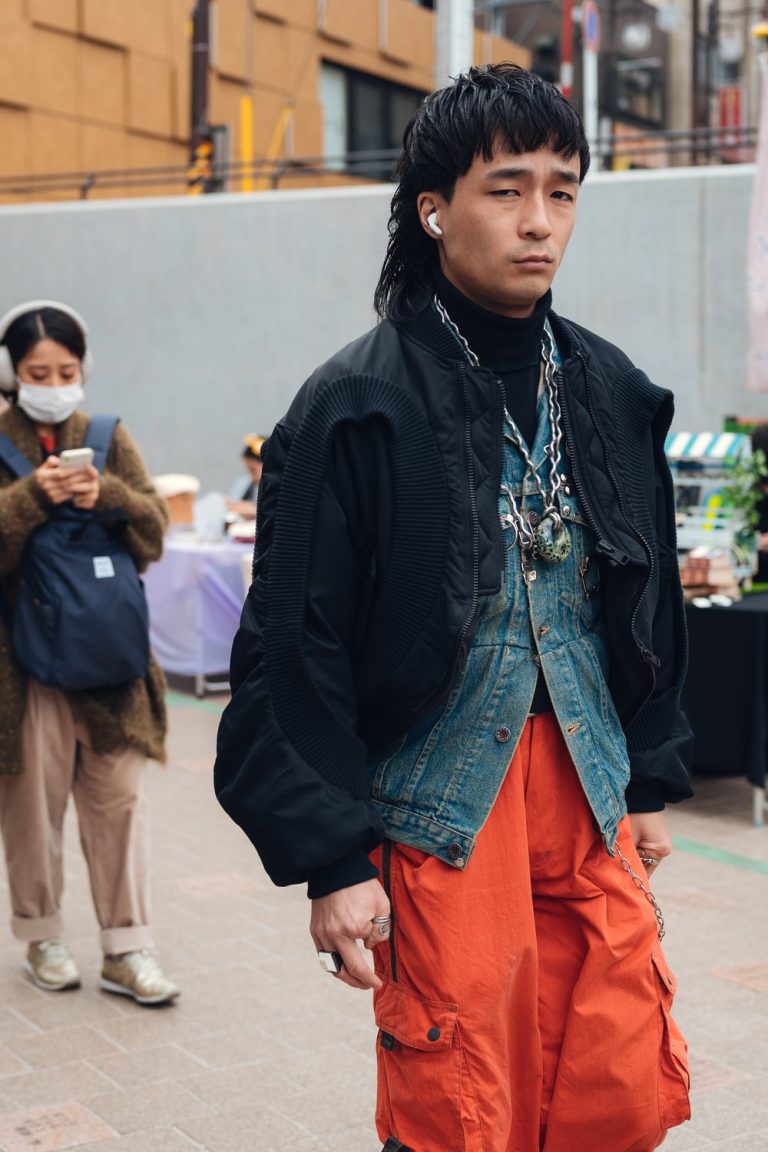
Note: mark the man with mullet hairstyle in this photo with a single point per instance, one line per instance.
(456, 686)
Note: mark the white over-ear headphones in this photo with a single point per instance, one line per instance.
(7, 374)
(433, 225)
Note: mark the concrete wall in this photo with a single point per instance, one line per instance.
(206, 314)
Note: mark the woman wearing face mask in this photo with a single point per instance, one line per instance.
(91, 744)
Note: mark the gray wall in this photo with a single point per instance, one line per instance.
(206, 314)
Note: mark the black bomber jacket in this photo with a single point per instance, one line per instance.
(378, 532)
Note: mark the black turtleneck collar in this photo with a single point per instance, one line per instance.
(503, 343)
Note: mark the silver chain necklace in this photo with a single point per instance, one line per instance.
(539, 535)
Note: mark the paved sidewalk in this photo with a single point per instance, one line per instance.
(262, 1053)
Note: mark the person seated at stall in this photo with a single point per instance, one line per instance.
(243, 494)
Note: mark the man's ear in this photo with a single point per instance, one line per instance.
(428, 209)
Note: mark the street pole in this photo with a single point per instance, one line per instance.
(246, 103)
(694, 76)
(201, 49)
(201, 141)
(566, 50)
(454, 34)
(713, 25)
(591, 42)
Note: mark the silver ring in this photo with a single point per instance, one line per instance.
(646, 860)
(383, 923)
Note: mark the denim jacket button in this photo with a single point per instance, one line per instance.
(502, 734)
(454, 853)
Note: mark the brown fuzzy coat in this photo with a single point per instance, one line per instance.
(134, 713)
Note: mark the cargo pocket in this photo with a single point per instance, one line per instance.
(425, 1098)
(674, 1081)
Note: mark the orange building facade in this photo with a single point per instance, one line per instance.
(95, 94)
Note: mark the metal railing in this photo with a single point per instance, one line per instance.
(622, 150)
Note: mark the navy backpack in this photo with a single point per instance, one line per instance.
(81, 619)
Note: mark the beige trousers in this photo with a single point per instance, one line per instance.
(109, 791)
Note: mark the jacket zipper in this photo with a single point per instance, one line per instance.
(603, 545)
(503, 392)
(475, 520)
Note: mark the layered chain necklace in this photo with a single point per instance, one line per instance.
(540, 535)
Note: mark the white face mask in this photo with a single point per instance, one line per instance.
(49, 405)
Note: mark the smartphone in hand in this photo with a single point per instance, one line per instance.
(76, 458)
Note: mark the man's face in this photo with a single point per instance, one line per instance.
(506, 227)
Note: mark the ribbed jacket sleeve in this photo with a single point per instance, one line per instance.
(659, 738)
(290, 768)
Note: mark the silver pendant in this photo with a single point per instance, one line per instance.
(553, 540)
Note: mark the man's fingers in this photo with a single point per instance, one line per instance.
(355, 971)
(651, 855)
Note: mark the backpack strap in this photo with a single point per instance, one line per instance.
(13, 458)
(99, 437)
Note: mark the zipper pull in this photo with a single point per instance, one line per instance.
(615, 556)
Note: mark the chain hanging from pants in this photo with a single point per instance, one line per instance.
(643, 888)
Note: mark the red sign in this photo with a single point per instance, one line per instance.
(731, 120)
(731, 103)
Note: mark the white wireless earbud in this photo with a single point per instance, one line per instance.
(433, 225)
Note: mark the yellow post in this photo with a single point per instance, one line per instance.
(246, 143)
(276, 143)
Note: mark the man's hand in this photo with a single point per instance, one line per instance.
(652, 840)
(342, 918)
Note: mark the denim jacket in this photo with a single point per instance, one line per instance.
(435, 789)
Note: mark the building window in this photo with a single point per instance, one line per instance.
(638, 87)
(363, 113)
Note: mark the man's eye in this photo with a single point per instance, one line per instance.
(506, 192)
(562, 196)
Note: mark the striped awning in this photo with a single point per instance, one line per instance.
(717, 447)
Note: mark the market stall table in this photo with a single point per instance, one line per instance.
(727, 690)
(195, 595)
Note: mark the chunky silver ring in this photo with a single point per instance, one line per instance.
(383, 923)
(648, 860)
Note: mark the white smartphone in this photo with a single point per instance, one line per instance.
(76, 457)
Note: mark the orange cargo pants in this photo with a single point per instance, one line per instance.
(526, 1000)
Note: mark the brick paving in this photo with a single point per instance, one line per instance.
(262, 1053)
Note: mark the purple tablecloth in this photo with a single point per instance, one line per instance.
(195, 595)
